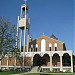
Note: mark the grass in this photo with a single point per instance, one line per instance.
(48, 74)
(15, 72)
(32, 74)
(9, 72)
(73, 73)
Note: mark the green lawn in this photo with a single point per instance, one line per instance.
(32, 74)
(48, 74)
(73, 73)
(14, 72)
(9, 72)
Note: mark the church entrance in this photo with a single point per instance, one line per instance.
(36, 60)
(67, 61)
(56, 60)
(46, 60)
(41, 61)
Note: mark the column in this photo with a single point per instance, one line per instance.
(24, 49)
(25, 33)
(17, 34)
(23, 60)
(32, 61)
(50, 63)
(0, 63)
(20, 39)
(28, 44)
(42, 69)
(32, 58)
(71, 64)
(7, 61)
(15, 61)
(29, 49)
(60, 62)
(28, 39)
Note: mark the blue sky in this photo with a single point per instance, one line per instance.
(47, 16)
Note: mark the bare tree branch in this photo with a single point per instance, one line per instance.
(7, 35)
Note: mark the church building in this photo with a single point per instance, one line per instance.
(45, 52)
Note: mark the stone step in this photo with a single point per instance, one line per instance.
(35, 69)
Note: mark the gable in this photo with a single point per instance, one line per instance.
(49, 42)
(48, 39)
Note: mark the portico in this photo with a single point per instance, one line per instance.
(52, 60)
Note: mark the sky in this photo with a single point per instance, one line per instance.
(46, 16)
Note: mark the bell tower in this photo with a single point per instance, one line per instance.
(23, 29)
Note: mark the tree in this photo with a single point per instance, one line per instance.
(7, 36)
(74, 63)
(74, 59)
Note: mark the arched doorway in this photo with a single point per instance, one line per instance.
(36, 60)
(46, 60)
(56, 60)
(66, 59)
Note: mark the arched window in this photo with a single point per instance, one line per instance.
(31, 47)
(36, 47)
(55, 46)
(43, 45)
(50, 47)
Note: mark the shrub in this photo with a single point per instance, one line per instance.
(0, 70)
(61, 71)
(54, 71)
(68, 71)
(48, 71)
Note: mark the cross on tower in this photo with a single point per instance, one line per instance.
(43, 34)
(25, 1)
